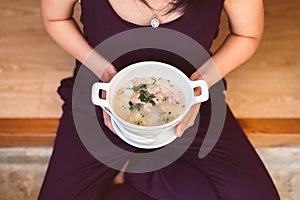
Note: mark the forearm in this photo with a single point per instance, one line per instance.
(234, 51)
(246, 21)
(65, 32)
(67, 35)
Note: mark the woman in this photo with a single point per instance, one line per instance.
(232, 170)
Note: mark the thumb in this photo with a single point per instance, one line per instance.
(180, 129)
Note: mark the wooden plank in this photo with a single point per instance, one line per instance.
(41, 132)
(47, 139)
(271, 140)
(270, 126)
(28, 126)
(50, 100)
(26, 139)
(253, 126)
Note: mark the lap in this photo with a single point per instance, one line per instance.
(234, 167)
(73, 173)
(124, 192)
(232, 170)
(177, 181)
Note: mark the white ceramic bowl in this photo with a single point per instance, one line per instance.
(150, 69)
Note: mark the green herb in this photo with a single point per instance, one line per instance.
(138, 87)
(152, 102)
(154, 80)
(133, 106)
(139, 122)
(166, 119)
(146, 97)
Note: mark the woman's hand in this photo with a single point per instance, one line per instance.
(107, 119)
(107, 75)
(188, 120)
(190, 117)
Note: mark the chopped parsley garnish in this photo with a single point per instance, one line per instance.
(138, 87)
(165, 99)
(166, 119)
(139, 122)
(133, 106)
(146, 97)
(154, 80)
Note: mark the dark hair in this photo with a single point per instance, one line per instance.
(181, 5)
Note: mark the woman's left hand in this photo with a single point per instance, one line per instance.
(188, 120)
(190, 117)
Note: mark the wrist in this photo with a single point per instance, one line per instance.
(108, 73)
(209, 72)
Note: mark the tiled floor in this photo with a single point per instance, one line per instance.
(22, 170)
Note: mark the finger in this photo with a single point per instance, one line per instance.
(187, 121)
(180, 128)
(107, 122)
(103, 94)
(106, 117)
(194, 77)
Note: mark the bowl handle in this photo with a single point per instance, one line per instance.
(95, 94)
(204, 90)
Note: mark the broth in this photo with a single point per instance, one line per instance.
(148, 101)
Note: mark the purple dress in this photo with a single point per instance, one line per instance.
(232, 170)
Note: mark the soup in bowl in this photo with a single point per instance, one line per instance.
(148, 101)
(149, 97)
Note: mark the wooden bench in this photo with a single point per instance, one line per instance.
(263, 93)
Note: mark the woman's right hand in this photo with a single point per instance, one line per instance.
(107, 75)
